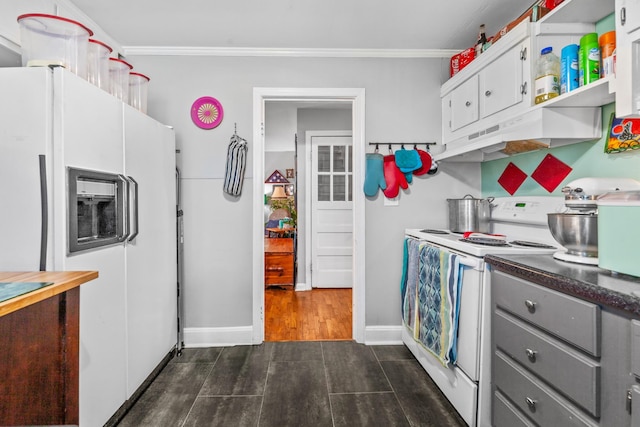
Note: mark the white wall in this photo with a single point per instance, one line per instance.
(402, 104)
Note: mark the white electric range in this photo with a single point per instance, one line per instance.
(523, 220)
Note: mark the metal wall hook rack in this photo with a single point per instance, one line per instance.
(415, 144)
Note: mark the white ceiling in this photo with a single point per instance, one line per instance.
(299, 24)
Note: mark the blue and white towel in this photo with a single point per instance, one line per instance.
(438, 302)
(409, 282)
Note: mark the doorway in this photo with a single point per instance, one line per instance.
(356, 98)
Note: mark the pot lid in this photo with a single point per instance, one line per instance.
(53, 24)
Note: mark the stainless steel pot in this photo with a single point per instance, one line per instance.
(469, 214)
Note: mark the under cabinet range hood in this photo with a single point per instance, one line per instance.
(533, 129)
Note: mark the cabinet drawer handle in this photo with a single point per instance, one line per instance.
(623, 16)
(531, 306)
(531, 404)
(531, 355)
(275, 268)
(468, 103)
(487, 93)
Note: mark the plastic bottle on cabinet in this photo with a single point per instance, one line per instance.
(482, 39)
(547, 84)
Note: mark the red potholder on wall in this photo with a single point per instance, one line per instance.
(512, 178)
(550, 172)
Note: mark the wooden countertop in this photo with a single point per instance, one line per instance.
(62, 282)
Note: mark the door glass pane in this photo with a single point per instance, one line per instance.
(324, 188)
(349, 161)
(350, 188)
(339, 188)
(339, 160)
(324, 158)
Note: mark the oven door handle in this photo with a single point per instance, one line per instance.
(133, 202)
(469, 262)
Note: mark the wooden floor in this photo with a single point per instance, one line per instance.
(319, 314)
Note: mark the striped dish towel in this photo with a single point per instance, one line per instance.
(409, 281)
(236, 163)
(438, 307)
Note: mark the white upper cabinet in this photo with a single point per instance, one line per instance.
(501, 82)
(488, 108)
(464, 105)
(628, 58)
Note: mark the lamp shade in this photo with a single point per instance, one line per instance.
(278, 192)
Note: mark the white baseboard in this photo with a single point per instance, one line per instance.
(383, 335)
(218, 337)
(242, 335)
(302, 287)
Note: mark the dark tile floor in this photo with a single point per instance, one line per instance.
(333, 383)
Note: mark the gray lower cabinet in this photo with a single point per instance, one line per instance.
(560, 361)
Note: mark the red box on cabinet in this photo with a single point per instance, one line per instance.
(461, 60)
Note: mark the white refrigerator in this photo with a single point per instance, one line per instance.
(128, 316)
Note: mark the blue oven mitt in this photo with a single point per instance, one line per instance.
(374, 176)
(408, 160)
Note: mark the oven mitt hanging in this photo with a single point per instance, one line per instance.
(394, 177)
(236, 163)
(426, 162)
(408, 161)
(374, 176)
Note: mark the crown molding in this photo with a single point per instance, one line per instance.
(287, 52)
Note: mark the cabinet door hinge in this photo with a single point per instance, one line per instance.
(523, 54)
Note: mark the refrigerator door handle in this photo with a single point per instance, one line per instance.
(133, 197)
(44, 215)
(125, 208)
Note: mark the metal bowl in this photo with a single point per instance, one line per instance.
(576, 232)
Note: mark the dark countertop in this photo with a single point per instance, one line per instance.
(610, 290)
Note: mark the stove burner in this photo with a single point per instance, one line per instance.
(430, 231)
(531, 244)
(485, 242)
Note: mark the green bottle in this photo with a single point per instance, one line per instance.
(589, 59)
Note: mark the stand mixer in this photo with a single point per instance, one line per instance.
(576, 229)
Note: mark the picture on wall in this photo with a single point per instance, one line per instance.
(624, 134)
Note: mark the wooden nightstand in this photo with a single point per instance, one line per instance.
(278, 262)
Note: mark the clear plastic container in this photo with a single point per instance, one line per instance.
(119, 78)
(98, 64)
(547, 84)
(54, 40)
(138, 91)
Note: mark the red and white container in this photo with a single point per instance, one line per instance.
(98, 63)
(119, 78)
(53, 40)
(138, 91)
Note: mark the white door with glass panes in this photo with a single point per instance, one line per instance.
(331, 211)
